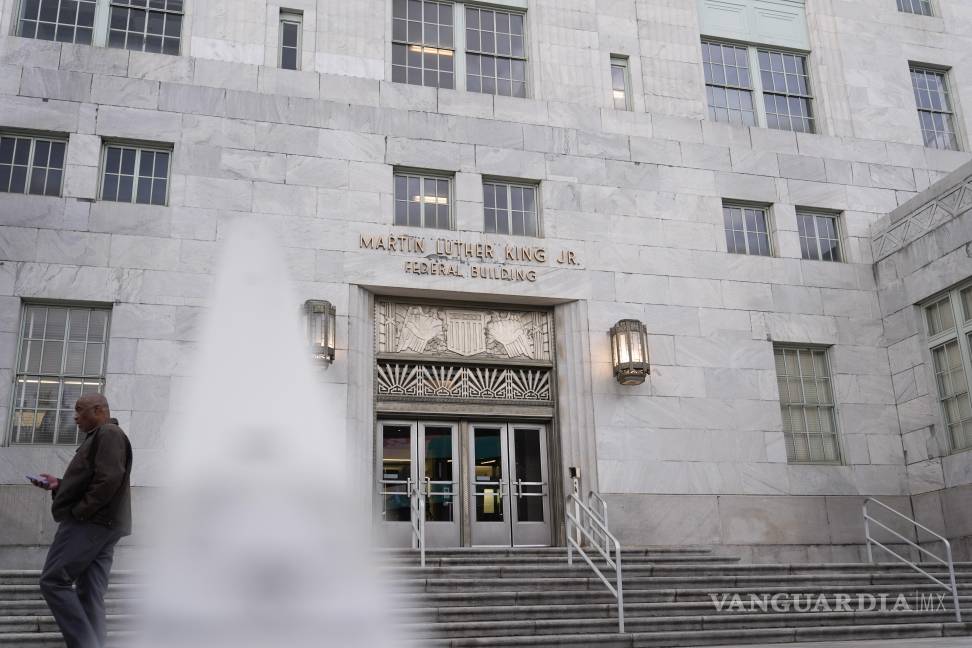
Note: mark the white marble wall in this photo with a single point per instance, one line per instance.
(922, 249)
(637, 194)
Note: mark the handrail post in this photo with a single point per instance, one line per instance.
(952, 587)
(580, 519)
(951, 577)
(617, 568)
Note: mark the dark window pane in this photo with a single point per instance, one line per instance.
(125, 188)
(110, 189)
(53, 183)
(128, 161)
(37, 180)
(144, 193)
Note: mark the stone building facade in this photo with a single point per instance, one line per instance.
(634, 181)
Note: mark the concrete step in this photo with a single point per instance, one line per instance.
(712, 637)
(471, 613)
(718, 584)
(581, 626)
(672, 596)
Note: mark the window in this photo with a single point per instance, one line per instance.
(495, 52)
(291, 26)
(746, 230)
(135, 175)
(807, 405)
(423, 201)
(934, 108)
(920, 7)
(728, 86)
(423, 49)
(949, 323)
(66, 21)
(32, 165)
(786, 90)
(619, 82)
(510, 209)
(783, 83)
(143, 25)
(146, 25)
(819, 236)
(62, 356)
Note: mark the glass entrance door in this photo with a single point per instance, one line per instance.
(419, 455)
(509, 489)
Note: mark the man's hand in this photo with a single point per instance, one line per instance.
(52, 482)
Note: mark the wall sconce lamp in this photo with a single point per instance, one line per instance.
(629, 350)
(320, 319)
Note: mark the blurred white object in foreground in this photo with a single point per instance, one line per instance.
(258, 543)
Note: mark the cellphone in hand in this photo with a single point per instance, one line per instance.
(37, 480)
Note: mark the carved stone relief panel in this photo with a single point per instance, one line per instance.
(449, 332)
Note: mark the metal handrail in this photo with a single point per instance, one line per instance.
(952, 588)
(599, 507)
(417, 505)
(576, 510)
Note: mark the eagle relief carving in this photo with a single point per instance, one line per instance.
(443, 331)
(509, 331)
(418, 329)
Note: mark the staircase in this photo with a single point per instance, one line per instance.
(530, 597)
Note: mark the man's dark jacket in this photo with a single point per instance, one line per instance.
(96, 485)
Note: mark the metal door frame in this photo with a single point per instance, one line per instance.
(439, 534)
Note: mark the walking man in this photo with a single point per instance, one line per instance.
(92, 505)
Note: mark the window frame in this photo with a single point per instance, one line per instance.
(510, 185)
(124, 4)
(959, 333)
(911, 3)
(423, 175)
(457, 8)
(19, 16)
(34, 136)
(951, 114)
(8, 439)
(838, 231)
(139, 146)
(768, 218)
(833, 406)
(296, 17)
(758, 90)
(623, 62)
(101, 28)
(460, 53)
(527, 81)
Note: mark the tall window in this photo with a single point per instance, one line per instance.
(143, 25)
(495, 52)
(423, 49)
(746, 230)
(819, 236)
(934, 107)
(949, 323)
(423, 201)
(291, 26)
(510, 209)
(62, 356)
(33, 165)
(807, 405)
(728, 84)
(67, 21)
(778, 97)
(135, 175)
(620, 80)
(146, 25)
(920, 7)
